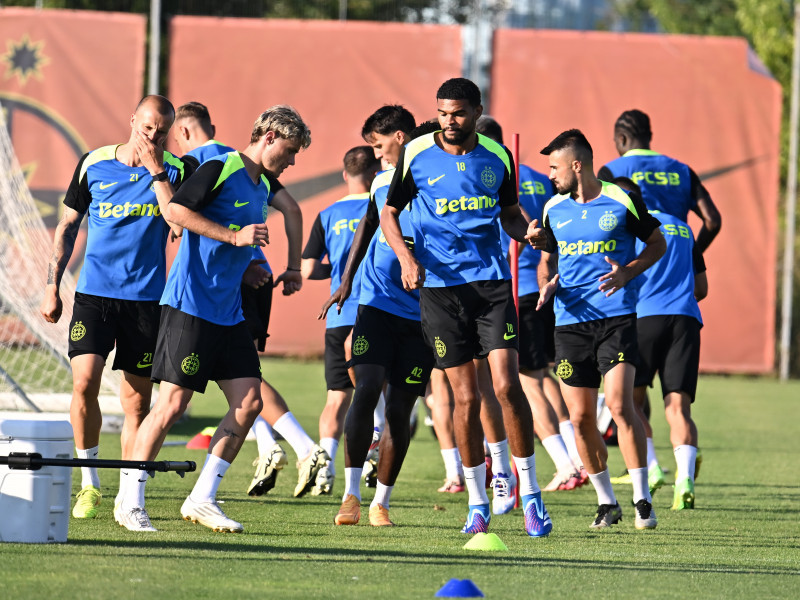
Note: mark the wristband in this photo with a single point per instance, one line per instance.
(291, 269)
(234, 238)
(163, 176)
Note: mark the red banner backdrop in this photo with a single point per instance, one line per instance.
(712, 106)
(70, 81)
(335, 74)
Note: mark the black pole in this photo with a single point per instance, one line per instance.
(32, 461)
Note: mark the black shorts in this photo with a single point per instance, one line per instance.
(395, 343)
(587, 351)
(468, 321)
(336, 375)
(99, 323)
(669, 345)
(256, 307)
(191, 351)
(536, 345)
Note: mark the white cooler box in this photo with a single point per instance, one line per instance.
(34, 505)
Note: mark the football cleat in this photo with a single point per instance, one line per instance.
(683, 497)
(308, 468)
(86, 503)
(267, 467)
(210, 515)
(477, 519)
(645, 515)
(537, 520)
(323, 484)
(135, 519)
(453, 486)
(607, 515)
(350, 511)
(655, 478)
(379, 516)
(504, 488)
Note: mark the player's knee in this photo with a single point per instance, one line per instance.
(84, 387)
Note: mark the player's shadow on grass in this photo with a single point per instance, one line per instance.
(259, 553)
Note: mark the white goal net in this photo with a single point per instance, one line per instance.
(34, 367)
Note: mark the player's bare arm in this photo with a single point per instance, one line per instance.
(63, 245)
(413, 275)
(152, 158)
(255, 234)
(708, 213)
(367, 227)
(547, 276)
(514, 222)
(291, 278)
(620, 275)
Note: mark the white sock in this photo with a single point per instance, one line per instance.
(602, 485)
(475, 479)
(500, 460)
(640, 487)
(293, 433)
(382, 493)
(134, 489)
(526, 469)
(452, 463)
(685, 457)
(330, 446)
(264, 437)
(652, 461)
(121, 492)
(352, 482)
(379, 416)
(89, 475)
(554, 445)
(568, 435)
(205, 490)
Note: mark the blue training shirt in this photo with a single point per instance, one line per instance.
(381, 282)
(332, 235)
(667, 288)
(583, 235)
(666, 183)
(127, 236)
(205, 279)
(455, 207)
(535, 190)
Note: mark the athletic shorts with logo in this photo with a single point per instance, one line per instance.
(536, 345)
(336, 375)
(256, 307)
(98, 323)
(669, 345)
(395, 343)
(586, 351)
(192, 351)
(467, 321)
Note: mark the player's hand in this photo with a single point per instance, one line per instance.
(150, 154)
(51, 306)
(252, 235)
(546, 292)
(536, 235)
(412, 274)
(615, 279)
(338, 298)
(292, 282)
(254, 275)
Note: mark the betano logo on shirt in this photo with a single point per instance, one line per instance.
(109, 210)
(444, 205)
(657, 177)
(581, 247)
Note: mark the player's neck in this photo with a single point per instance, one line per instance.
(126, 154)
(253, 167)
(456, 149)
(589, 188)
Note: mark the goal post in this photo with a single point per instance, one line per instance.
(34, 366)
